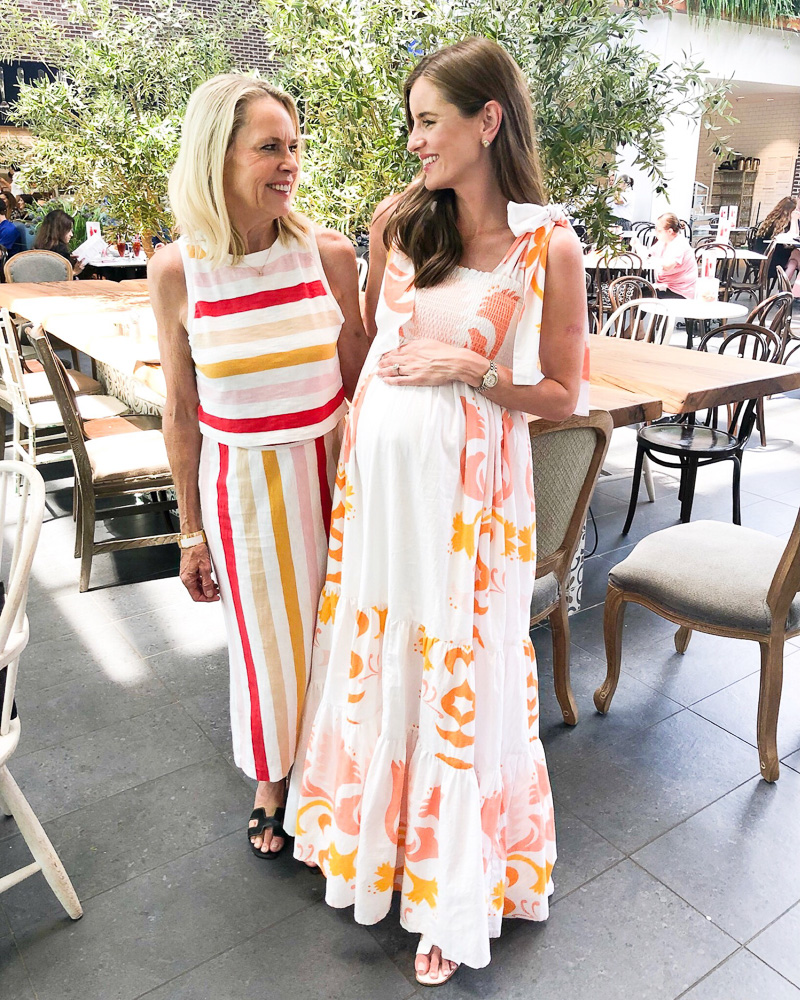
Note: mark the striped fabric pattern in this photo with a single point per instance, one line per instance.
(266, 514)
(263, 335)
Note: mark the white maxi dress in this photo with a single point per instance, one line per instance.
(424, 772)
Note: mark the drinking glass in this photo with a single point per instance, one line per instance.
(137, 245)
(121, 246)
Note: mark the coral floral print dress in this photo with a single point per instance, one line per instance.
(424, 771)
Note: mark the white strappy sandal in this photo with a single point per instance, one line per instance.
(425, 947)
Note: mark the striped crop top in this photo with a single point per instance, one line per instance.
(263, 336)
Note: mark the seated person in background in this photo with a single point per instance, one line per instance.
(784, 218)
(8, 231)
(54, 234)
(10, 204)
(620, 200)
(672, 257)
(12, 234)
(25, 205)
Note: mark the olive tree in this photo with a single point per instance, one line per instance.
(594, 89)
(106, 121)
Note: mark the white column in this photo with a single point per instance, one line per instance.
(681, 142)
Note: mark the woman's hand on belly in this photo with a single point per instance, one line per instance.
(430, 362)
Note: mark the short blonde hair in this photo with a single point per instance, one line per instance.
(215, 113)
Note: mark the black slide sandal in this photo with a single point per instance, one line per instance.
(265, 822)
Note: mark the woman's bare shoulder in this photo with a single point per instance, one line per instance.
(165, 268)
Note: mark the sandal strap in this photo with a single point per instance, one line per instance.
(274, 823)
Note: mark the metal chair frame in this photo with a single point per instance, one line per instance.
(687, 453)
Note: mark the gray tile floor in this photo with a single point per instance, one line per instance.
(678, 872)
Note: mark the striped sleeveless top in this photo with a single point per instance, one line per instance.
(263, 337)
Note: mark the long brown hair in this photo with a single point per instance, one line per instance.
(53, 229)
(777, 221)
(469, 74)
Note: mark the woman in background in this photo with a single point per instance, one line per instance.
(673, 259)
(54, 234)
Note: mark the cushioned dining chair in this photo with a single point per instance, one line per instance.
(116, 457)
(709, 576)
(14, 633)
(42, 265)
(688, 444)
(35, 384)
(38, 434)
(567, 458)
(38, 265)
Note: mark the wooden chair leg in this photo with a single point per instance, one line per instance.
(559, 626)
(39, 845)
(86, 529)
(682, 637)
(76, 361)
(5, 809)
(613, 619)
(769, 703)
(637, 477)
(78, 505)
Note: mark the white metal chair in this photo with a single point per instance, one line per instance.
(631, 322)
(14, 635)
(44, 438)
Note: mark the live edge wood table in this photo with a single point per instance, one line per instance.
(109, 321)
(683, 380)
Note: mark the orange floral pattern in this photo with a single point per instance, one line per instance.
(424, 772)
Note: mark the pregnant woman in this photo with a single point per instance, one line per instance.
(424, 771)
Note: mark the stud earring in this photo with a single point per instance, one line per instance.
(486, 143)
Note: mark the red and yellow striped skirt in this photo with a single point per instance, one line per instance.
(266, 514)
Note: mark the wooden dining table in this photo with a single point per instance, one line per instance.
(111, 322)
(114, 324)
(683, 380)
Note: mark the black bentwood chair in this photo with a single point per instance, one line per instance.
(689, 444)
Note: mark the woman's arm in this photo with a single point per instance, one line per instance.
(561, 349)
(377, 261)
(167, 286)
(339, 261)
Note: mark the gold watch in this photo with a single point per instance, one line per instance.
(490, 379)
(186, 541)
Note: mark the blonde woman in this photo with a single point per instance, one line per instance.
(261, 339)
